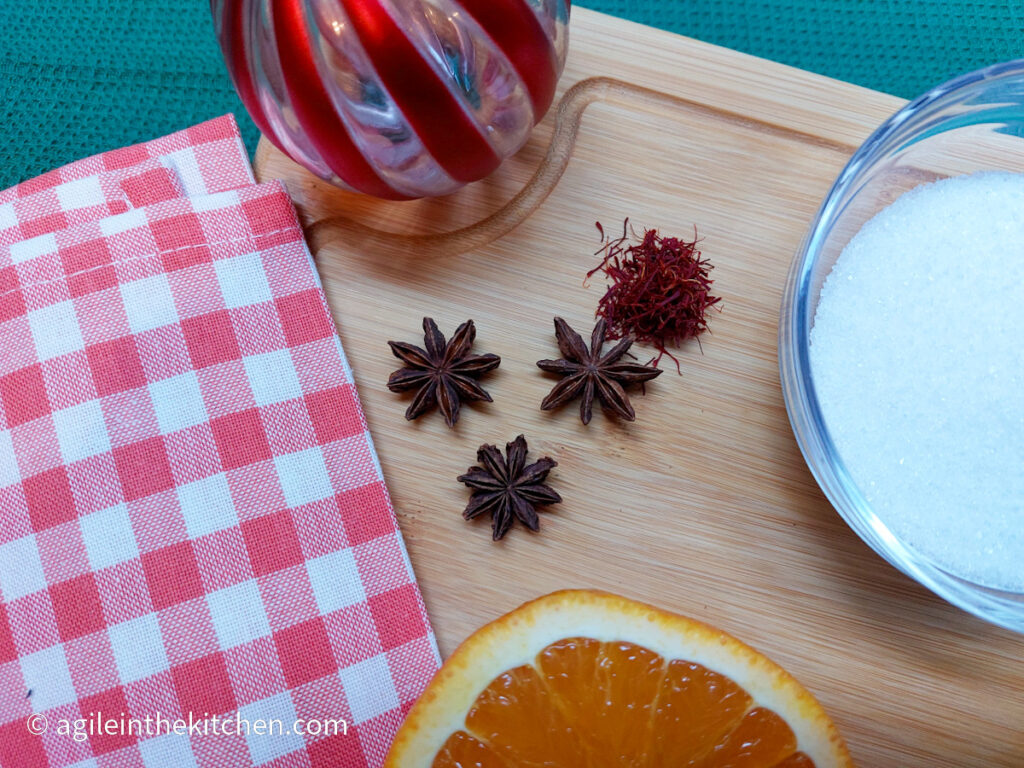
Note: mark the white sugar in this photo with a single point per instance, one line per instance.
(917, 355)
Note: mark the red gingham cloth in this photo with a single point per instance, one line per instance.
(88, 199)
(208, 157)
(192, 517)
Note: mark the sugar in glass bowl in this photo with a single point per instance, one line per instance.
(974, 123)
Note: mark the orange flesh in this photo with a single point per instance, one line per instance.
(583, 703)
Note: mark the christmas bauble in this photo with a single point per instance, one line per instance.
(395, 98)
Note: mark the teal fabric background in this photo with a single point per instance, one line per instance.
(80, 77)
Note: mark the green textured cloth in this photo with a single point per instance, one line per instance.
(78, 78)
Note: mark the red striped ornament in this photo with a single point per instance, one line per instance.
(395, 98)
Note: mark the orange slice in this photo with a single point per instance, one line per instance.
(583, 679)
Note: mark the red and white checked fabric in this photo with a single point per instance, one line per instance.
(207, 158)
(193, 521)
(203, 159)
(87, 199)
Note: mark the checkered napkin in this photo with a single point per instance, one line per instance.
(88, 199)
(192, 517)
(208, 157)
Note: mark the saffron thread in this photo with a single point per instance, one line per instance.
(659, 289)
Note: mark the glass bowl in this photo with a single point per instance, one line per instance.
(972, 123)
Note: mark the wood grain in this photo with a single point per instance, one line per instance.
(704, 505)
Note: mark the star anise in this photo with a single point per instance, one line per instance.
(443, 374)
(507, 488)
(588, 373)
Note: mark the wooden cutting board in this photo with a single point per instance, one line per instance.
(704, 505)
